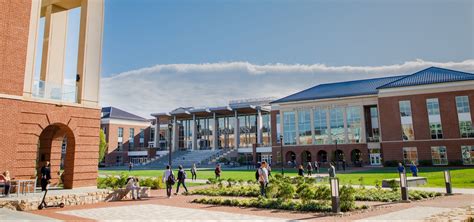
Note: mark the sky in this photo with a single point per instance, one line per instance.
(162, 54)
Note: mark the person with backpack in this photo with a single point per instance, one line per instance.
(193, 172)
(309, 168)
(168, 179)
(181, 179)
(269, 169)
(301, 171)
(263, 177)
(217, 171)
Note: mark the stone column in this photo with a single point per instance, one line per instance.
(311, 113)
(194, 133)
(215, 132)
(157, 133)
(174, 137)
(259, 126)
(236, 130)
(363, 137)
(297, 134)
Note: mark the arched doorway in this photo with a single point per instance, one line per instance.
(322, 156)
(356, 156)
(57, 145)
(339, 155)
(290, 158)
(305, 157)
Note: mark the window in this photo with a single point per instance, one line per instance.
(321, 134)
(410, 154)
(131, 140)
(278, 129)
(248, 130)
(353, 124)
(464, 116)
(434, 118)
(105, 131)
(438, 155)
(337, 125)
(119, 146)
(152, 133)
(374, 117)
(266, 130)
(304, 127)
(467, 153)
(142, 137)
(289, 131)
(120, 132)
(406, 120)
(119, 160)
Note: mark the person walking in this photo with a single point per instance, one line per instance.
(316, 165)
(193, 172)
(168, 179)
(269, 169)
(181, 179)
(309, 168)
(414, 169)
(45, 175)
(263, 177)
(301, 171)
(400, 168)
(344, 165)
(218, 171)
(130, 165)
(6, 177)
(331, 170)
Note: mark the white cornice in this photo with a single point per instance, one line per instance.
(124, 122)
(426, 89)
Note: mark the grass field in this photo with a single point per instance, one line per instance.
(460, 177)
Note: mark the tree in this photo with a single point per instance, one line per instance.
(102, 146)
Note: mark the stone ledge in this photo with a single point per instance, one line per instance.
(411, 181)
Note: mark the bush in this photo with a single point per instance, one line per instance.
(120, 182)
(390, 163)
(347, 198)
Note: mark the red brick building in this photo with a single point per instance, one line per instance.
(128, 137)
(425, 117)
(41, 118)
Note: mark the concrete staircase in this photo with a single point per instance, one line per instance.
(223, 154)
(161, 162)
(197, 157)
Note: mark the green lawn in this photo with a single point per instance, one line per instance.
(461, 178)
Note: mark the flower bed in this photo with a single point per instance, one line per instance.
(115, 182)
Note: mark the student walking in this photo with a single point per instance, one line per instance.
(193, 172)
(218, 171)
(269, 169)
(181, 179)
(130, 166)
(332, 170)
(168, 179)
(316, 165)
(45, 175)
(301, 171)
(413, 169)
(309, 168)
(263, 177)
(7, 180)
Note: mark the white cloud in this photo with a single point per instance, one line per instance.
(162, 88)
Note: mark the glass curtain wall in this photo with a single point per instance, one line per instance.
(434, 118)
(406, 120)
(354, 124)
(226, 127)
(185, 141)
(204, 133)
(374, 121)
(464, 117)
(248, 130)
(266, 130)
(321, 132)
(304, 127)
(337, 125)
(289, 128)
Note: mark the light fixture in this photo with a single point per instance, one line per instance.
(334, 181)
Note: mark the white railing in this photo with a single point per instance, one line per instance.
(47, 90)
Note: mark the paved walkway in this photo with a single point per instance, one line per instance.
(161, 212)
(10, 215)
(411, 214)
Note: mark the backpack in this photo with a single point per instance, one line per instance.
(184, 175)
(257, 174)
(171, 179)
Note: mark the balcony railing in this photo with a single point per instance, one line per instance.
(52, 91)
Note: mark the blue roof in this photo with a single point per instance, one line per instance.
(116, 113)
(340, 89)
(430, 75)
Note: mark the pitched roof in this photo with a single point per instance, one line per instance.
(340, 89)
(116, 113)
(430, 75)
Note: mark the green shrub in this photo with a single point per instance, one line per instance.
(390, 163)
(347, 198)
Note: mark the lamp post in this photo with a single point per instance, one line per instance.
(170, 129)
(281, 155)
(334, 182)
(447, 180)
(404, 187)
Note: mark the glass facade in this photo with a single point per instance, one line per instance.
(185, 140)
(226, 136)
(464, 116)
(434, 118)
(337, 125)
(266, 130)
(467, 153)
(247, 130)
(289, 128)
(278, 128)
(354, 124)
(406, 120)
(438, 155)
(304, 127)
(142, 137)
(321, 133)
(374, 123)
(131, 139)
(410, 154)
(205, 129)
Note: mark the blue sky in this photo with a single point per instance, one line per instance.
(184, 52)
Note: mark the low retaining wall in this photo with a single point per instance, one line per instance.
(411, 181)
(32, 202)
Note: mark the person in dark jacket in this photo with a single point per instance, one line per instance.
(217, 171)
(45, 175)
(181, 179)
(309, 168)
(301, 171)
(413, 169)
